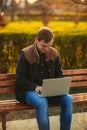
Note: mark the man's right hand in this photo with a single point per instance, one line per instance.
(38, 89)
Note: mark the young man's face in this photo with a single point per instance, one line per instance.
(44, 47)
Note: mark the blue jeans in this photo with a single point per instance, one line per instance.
(41, 106)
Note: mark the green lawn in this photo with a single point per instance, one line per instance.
(57, 26)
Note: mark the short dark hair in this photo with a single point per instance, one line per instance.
(45, 34)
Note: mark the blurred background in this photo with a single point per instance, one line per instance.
(21, 19)
(44, 10)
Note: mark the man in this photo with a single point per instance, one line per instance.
(37, 62)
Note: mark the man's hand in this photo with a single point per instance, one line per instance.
(38, 89)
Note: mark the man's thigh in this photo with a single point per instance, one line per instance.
(34, 99)
(57, 100)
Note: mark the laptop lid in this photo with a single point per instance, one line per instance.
(56, 86)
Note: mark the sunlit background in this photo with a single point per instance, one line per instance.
(30, 1)
(20, 20)
(44, 10)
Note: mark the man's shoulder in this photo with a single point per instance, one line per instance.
(54, 51)
(28, 53)
(27, 48)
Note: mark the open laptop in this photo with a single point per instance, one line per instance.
(56, 86)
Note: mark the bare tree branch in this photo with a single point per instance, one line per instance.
(3, 5)
(80, 2)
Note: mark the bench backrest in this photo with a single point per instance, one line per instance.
(79, 79)
(7, 83)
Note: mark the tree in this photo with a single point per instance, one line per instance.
(83, 2)
(46, 8)
(12, 9)
(79, 8)
(3, 21)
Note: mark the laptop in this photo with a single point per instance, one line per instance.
(56, 86)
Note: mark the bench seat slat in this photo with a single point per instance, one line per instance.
(8, 101)
(80, 97)
(13, 105)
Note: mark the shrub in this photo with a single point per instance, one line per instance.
(70, 41)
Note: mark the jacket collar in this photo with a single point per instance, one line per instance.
(32, 55)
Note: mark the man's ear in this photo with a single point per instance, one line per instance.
(36, 40)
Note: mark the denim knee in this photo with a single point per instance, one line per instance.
(68, 99)
(43, 103)
(68, 102)
(34, 99)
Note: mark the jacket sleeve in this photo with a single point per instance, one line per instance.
(58, 68)
(21, 75)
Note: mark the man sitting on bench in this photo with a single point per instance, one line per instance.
(37, 62)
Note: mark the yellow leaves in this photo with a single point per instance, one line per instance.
(70, 41)
(79, 55)
(31, 27)
(5, 49)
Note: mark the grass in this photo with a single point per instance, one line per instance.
(31, 27)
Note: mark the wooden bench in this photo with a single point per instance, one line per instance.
(7, 83)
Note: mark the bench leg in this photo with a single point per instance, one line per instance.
(3, 118)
